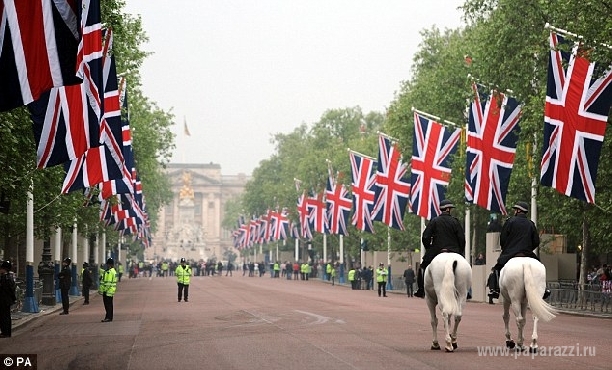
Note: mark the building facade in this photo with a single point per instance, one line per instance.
(190, 225)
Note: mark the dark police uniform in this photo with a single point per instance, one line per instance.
(442, 233)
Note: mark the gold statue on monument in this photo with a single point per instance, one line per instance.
(186, 192)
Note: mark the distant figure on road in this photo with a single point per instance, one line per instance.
(86, 281)
(7, 298)
(409, 280)
(65, 281)
(108, 286)
(183, 276)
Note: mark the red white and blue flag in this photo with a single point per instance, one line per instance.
(363, 188)
(339, 205)
(303, 213)
(38, 48)
(432, 147)
(492, 135)
(576, 112)
(67, 120)
(317, 213)
(392, 185)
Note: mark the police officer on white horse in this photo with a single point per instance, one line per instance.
(443, 234)
(519, 237)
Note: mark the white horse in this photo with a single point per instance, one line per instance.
(523, 281)
(447, 280)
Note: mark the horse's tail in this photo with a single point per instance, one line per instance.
(540, 308)
(448, 294)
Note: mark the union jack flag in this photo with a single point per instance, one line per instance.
(317, 213)
(363, 189)
(38, 48)
(339, 205)
(492, 135)
(576, 112)
(302, 208)
(392, 187)
(281, 222)
(432, 147)
(67, 119)
(294, 231)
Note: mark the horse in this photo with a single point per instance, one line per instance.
(447, 280)
(522, 282)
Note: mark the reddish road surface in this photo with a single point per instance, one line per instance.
(264, 324)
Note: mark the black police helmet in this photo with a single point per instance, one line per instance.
(446, 204)
(521, 206)
(7, 265)
(110, 261)
(68, 260)
(183, 260)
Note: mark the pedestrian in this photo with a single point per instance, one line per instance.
(491, 283)
(229, 269)
(409, 280)
(519, 237)
(183, 276)
(119, 271)
(7, 298)
(65, 281)
(480, 260)
(86, 282)
(220, 268)
(442, 234)
(381, 279)
(108, 286)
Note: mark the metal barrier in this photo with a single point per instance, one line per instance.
(567, 295)
(20, 291)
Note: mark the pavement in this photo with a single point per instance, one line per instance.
(23, 318)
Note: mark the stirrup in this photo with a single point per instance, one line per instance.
(493, 294)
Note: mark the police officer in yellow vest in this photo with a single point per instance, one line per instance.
(183, 276)
(351, 277)
(108, 286)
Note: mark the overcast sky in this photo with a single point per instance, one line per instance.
(239, 71)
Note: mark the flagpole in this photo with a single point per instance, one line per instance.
(435, 118)
(468, 232)
(359, 154)
(325, 247)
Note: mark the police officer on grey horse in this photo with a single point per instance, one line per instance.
(519, 237)
(443, 234)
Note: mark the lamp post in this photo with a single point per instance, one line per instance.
(46, 271)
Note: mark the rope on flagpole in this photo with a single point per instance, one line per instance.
(489, 85)
(362, 155)
(51, 202)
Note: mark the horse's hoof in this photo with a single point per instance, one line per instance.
(533, 349)
(448, 350)
(454, 345)
(435, 347)
(510, 344)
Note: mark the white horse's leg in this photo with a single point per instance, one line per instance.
(533, 347)
(434, 324)
(447, 337)
(520, 323)
(506, 316)
(454, 333)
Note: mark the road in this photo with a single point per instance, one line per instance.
(261, 323)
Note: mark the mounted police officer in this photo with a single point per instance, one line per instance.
(443, 234)
(519, 237)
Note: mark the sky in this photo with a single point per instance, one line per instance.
(238, 71)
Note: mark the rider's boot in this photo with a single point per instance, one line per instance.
(546, 293)
(421, 290)
(494, 291)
